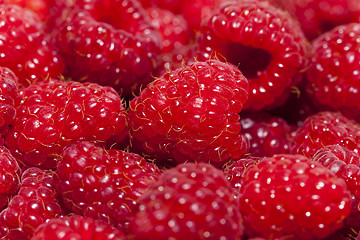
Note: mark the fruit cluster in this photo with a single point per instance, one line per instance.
(179, 119)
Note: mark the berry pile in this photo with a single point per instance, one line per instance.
(180, 119)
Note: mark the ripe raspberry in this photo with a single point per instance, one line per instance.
(9, 176)
(290, 195)
(236, 170)
(173, 28)
(323, 129)
(103, 184)
(53, 114)
(333, 76)
(190, 201)
(76, 227)
(109, 42)
(191, 114)
(8, 91)
(25, 48)
(171, 5)
(263, 41)
(33, 205)
(319, 16)
(268, 134)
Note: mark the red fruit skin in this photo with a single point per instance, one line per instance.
(191, 114)
(265, 43)
(190, 201)
(290, 195)
(109, 42)
(76, 227)
(26, 49)
(332, 79)
(53, 114)
(323, 129)
(268, 135)
(10, 173)
(171, 5)
(102, 184)
(8, 92)
(33, 205)
(318, 17)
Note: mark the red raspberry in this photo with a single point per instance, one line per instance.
(236, 170)
(33, 205)
(319, 16)
(8, 92)
(172, 5)
(190, 201)
(263, 41)
(290, 195)
(173, 28)
(76, 227)
(109, 42)
(268, 134)
(103, 184)
(334, 75)
(191, 114)
(9, 176)
(323, 129)
(25, 48)
(53, 114)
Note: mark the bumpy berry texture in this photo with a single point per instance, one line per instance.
(33, 205)
(103, 184)
(268, 135)
(263, 41)
(26, 49)
(236, 170)
(76, 227)
(323, 129)
(290, 195)
(333, 76)
(346, 165)
(190, 201)
(319, 16)
(191, 114)
(8, 92)
(109, 42)
(9, 176)
(53, 114)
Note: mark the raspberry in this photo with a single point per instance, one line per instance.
(103, 184)
(173, 28)
(191, 114)
(9, 176)
(8, 92)
(317, 17)
(333, 76)
(53, 114)
(263, 41)
(190, 201)
(109, 42)
(290, 195)
(323, 129)
(235, 171)
(171, 5)
(268, 134)
(25, 48)
(33, 205)
(76, 227)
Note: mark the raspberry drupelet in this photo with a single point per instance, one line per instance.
(54, 113)
(265, 43)
(189, 201)
(191, 114)
(292, 197)
(109, 42)
(102, 184)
